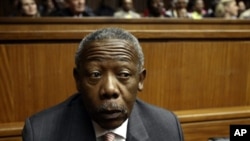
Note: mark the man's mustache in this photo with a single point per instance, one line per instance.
(111, 107)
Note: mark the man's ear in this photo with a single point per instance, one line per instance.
(142, 76)
(77, 78)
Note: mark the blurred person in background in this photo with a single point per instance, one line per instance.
(179, 9)
(126, 10)
(60, 3)
(75, 8)
(211, 10)
(104, 9)
(245, 14)
(198, 10)
(226, 9)
(26, 8)
(241, 7)
(155, 8)
(48, 7)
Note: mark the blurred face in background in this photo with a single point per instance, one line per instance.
(199, 6)
(76, 6)
(241, 6)
(232, 8)
(50, 4)
(180, 4)
(127, 5)
(157, 6)
(29, 8)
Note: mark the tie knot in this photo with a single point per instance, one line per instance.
(109, 136)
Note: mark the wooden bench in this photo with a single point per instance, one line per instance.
(199, 125)
(11, 131)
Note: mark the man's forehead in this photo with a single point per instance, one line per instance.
(116, 49)
(108, 43)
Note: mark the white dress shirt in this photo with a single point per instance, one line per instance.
(120, 132)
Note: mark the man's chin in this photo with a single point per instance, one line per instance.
(110, 124)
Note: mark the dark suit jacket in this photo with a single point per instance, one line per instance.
(69, 121)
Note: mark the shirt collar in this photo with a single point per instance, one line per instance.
(120, 131)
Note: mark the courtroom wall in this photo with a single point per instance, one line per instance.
(198, 69)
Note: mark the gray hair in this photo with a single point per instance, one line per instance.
(110, 33)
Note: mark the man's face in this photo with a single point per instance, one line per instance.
(157, 6)
(127, 5)
(232, 8)
(109, 80)
(77, 6)
(181, 4)
(199, 5)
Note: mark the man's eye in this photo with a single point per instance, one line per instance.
(95, 75)
(124, 75)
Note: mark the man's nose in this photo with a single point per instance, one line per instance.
(109, 89)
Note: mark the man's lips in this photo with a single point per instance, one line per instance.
(113, 114)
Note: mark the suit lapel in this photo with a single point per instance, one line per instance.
(81, 128)
(136, 128)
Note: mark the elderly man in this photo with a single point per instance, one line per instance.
(109, 73)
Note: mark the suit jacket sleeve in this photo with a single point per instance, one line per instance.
(27, 133)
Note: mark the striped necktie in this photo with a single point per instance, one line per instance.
(109, 136)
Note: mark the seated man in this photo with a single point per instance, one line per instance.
(109, 72)
(76, 8)
(155, 8)
(127, 10)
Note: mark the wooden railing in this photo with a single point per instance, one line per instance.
(48, 24)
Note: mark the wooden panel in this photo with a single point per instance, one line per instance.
(183, 73)
(191, 74)
(188, 70)
(34, 76)
(48, 24)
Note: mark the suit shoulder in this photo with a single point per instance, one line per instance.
(160, 123)
(153, 110)
(55, 110)
(157, 116)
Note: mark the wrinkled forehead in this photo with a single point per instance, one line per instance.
(112, 47)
